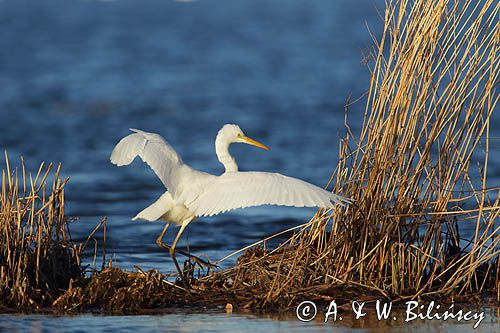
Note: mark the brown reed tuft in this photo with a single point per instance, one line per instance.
(38, 261)
(113, 289)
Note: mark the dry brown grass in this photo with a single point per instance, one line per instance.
(40, 266)
(113, 289)
(37, 258)
(425, 223)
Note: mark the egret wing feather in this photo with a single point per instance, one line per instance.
(245, 189)
(153, 150)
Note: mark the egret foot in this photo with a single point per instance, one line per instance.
(184, 280)
(198, 260)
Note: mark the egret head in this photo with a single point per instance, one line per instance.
(232, 133)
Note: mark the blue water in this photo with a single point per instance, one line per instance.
(221, 322)
(75, 75)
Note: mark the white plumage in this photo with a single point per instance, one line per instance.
(234, 190)
(153, 150)
(192, 193)
(204, 194)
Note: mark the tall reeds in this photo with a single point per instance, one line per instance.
(38, 261)
(424, 223)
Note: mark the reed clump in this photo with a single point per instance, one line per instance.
(425, 219)
(113, 289)
(40, 265)
(38, 261)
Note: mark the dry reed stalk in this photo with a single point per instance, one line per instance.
(37, 258)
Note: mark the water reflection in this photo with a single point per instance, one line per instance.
(215, 321)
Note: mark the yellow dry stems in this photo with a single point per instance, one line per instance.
(37, 258)
(425, 221)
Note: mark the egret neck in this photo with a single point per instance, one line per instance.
(222, 143)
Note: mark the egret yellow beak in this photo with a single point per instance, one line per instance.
(254, 143)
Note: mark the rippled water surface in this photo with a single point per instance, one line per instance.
(75, 75)
(221, 322)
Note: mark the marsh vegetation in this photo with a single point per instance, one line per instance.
(425, 220)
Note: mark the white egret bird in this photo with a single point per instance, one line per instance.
(192, 193)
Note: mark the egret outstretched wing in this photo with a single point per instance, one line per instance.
(153, 150)
(234, 190)
(192, 193)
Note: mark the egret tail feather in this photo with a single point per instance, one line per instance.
(156, 210)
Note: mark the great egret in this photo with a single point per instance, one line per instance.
(192, 193)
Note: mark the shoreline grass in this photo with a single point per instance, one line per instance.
(38, 260)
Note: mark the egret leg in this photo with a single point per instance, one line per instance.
(159, 240)
(172, 252)
(199, 261)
